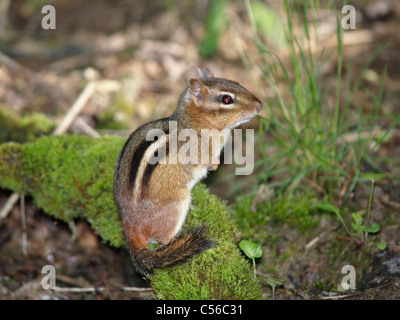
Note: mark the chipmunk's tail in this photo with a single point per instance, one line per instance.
(177, 250)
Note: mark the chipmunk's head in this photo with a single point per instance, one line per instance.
(219, 103)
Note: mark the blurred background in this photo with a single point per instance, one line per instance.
(331, 113)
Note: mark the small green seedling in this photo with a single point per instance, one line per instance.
(251, 250)
(381, 245)
(373, 177)
(358, 224)
(273, 282)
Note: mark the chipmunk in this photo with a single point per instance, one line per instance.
(153, 197)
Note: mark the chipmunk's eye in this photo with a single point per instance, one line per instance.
(227, 99)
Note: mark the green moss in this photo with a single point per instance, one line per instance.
(71, 177)
(13, 127)
(294, 211)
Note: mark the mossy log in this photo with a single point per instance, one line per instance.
(71, 177)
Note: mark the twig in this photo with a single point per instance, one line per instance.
(75, 109)
(315, 186)
(80, 102)
(339, 297)
(16, 67)
(319, 237)
(24, 240)
(73, 62)
(135, 289)
(10, 203)
(355, 37)
(77, 290)
(351, 239)
(389, 203)
(312, 242)
(85, 128)
(79, 285)
(90, 289)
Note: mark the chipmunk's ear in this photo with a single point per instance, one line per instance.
(205, 73)
(198, 91)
